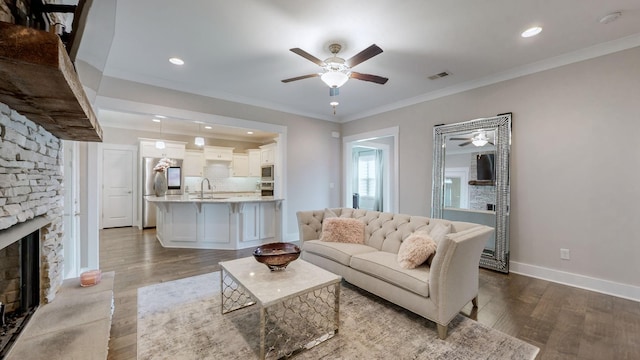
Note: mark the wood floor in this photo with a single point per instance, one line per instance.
(564, 322)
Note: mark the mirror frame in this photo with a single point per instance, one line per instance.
(499, 259)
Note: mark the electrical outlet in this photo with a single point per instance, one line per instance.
(564, 254)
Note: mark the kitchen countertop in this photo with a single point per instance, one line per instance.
(208, 198)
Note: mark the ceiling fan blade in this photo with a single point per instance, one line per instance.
(464, 143)
(368, 77)
(364, 55)
(490, 143)
(299, 78)
(460, 139)
(308, 56)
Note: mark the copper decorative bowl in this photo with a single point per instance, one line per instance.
(276, 255)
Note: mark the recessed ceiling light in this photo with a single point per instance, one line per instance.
(160, 116)
(531, 32)
(155, 120)
(208, 127)
(176, 61)
(250, 132)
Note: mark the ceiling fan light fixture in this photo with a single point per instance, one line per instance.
(479, 142)
(334, 79)
(199, 141)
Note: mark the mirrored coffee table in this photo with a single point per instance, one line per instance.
(299, 306)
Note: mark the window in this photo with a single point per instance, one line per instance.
(367, 173)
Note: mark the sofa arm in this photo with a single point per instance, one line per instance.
(453, 279)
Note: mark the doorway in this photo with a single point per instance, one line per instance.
(456, 190)
(371, 170)
(118, 170)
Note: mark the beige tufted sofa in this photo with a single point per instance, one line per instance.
(437, 293)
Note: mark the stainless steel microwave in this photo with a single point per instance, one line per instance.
(267, 173)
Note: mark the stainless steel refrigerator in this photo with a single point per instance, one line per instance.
(149, 209)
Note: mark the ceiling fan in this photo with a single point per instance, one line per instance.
(479, 139)
(336, 70)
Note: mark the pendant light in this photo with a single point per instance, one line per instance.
(160, 143)
(199, 140)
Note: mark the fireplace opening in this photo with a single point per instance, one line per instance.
(19, 287)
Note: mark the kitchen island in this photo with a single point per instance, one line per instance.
(217, 221)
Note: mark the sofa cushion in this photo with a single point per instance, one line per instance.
(342, 230)
(383, 265)
(336, 251)
(415, 250)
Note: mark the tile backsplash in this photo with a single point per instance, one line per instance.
(228, 184)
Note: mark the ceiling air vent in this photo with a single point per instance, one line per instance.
(439, 75)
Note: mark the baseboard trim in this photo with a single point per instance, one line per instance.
(625, 291)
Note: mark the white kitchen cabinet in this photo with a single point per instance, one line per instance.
(258, 222)
(268, 154)
(172, 150)
(180, 220)
(250, 222)
(254, 162)
(267, 221)
(193, 163)
(214, 224)
(234, 223)
(218, 153)
(240, 165)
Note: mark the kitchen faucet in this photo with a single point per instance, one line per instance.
(202, 187)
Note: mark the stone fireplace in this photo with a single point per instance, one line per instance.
(31, 202)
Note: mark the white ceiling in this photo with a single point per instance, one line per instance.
(239, 50)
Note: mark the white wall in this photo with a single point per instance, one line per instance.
(575, 161)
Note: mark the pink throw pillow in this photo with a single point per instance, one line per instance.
(415, 250)
(342, 230)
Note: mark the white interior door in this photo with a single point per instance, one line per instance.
(117, 187)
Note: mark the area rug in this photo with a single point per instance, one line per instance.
(181, 320)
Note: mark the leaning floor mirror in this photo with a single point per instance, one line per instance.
(471, 180)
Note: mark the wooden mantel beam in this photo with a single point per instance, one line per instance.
(38, 80)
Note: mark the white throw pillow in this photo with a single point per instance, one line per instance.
(439, 231)
(415, 250)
